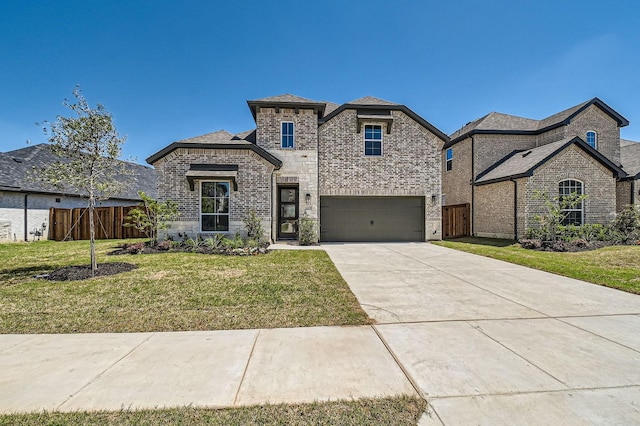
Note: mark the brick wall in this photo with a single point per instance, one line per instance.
(456, 183)
(254, 186)
(593, 118)
(305, 125)
(410, 163)
(598, 184)
(623, 194)
(491, 148)
(495, 210)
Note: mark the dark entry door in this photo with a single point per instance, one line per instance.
(288, 212)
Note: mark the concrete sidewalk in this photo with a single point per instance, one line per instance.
(208, 369)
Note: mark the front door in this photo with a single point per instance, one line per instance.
(287, 212)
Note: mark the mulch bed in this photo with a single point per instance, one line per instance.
(73, 273)
(142, 248)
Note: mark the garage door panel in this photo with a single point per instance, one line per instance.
(372, 218)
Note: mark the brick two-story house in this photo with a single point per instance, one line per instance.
(498, 163)
(368, 170)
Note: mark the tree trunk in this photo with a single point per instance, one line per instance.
(92, 236)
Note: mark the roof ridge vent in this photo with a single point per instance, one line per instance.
(526, 153)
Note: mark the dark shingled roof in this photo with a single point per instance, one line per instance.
(495, 122)
(287, 101)
(16, 167)
(630, 157)
(522, 163)
(219, 140)
(370, 100)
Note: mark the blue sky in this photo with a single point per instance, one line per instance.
(170, 70)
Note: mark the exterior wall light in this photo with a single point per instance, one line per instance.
(307, 198)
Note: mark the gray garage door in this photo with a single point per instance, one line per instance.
(372, 218)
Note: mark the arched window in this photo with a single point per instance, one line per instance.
(592, 139)
(573, 212)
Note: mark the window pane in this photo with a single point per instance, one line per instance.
(208, 189)
(288, 211)
(215, 223)
(208, 205)
(222, 189)
(377, 132)
(449, 153)
(222, 205)
(288, 195)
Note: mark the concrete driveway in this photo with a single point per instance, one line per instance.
(488, 342)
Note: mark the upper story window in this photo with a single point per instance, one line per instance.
(592, 139)
(372, 139)
(449, 165)
(286, 134)
(574, 212)
(214, 206)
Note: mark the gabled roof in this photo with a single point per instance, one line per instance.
(372, 104)
(498, 123)
(16, 169)
(370, 100)
(286, 101)
(630, 157)
(522, 163)
(219, 140)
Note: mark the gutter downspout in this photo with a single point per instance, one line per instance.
(473, 189)
(515, 209)
(26, 227)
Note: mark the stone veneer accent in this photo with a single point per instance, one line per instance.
(254, 188)
(410, 164)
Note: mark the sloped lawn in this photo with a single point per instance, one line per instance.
(613, 266)
(170, 291)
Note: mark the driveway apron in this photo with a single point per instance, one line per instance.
(489, 342)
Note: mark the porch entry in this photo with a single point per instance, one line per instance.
(288, 212)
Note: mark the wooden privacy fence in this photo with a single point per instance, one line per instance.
(455, 221)
(73, 224)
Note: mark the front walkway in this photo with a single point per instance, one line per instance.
(485, 342)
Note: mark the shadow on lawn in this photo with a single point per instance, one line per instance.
(9, 276)
(493, 242)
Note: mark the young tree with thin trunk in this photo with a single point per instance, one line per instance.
(88, 146)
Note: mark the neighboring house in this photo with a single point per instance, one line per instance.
(368, 170)
(497, 163)
(25, 204)
(629, 189)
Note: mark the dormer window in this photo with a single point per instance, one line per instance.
(592, 139)
(286, 134)
(372, 140)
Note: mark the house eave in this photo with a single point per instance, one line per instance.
(188, 145)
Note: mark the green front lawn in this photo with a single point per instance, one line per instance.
(615, 266)
(401, 410)
(170, 291)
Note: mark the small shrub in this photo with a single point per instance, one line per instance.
(531, 244)
(307, 232)
(627, 224)
(165, 245)
(558, 246)
(232, 244)
(214, 242)
(253, 224)
(134, 248)
(192, 244)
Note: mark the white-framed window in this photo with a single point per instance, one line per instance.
(214, 206)
(449, 164)
(573, 215)
(372, 140)
(592, 139)
(286, 134)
